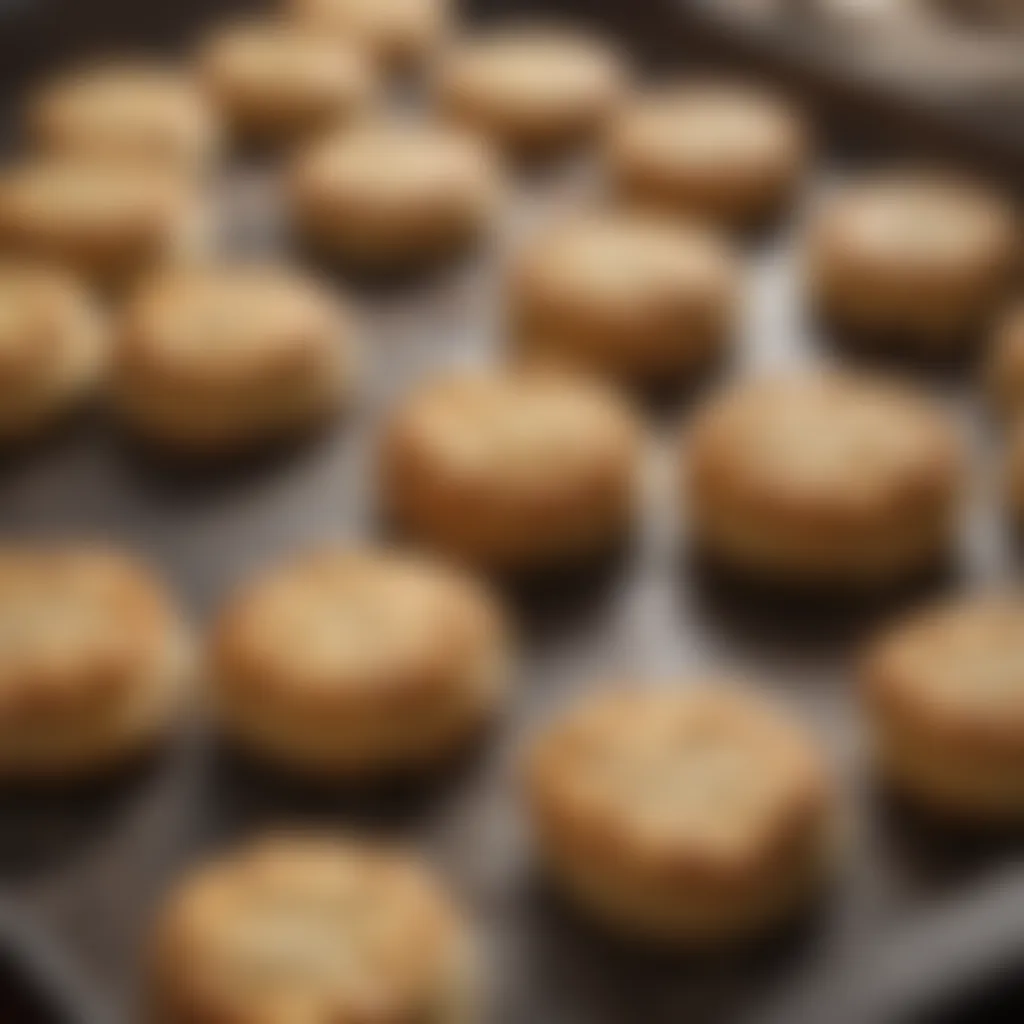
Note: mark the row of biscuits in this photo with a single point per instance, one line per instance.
(821, 475)
(226, 356)
(673, 811)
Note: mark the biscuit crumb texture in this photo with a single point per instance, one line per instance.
(346, 662)
(95, 662)
(514, 471)
(828, 477)
(690, 814)
(310, 928)
(944, 691)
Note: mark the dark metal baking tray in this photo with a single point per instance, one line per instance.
(918, 915)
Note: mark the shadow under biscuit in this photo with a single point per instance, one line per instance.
(616, 978)
(550, 599)
(546, 598)
(819, 613)
(248, 792)
(939, 848)
(67, 431)
(953, 360)
(669, 396)
(46, 822)
(166, 465)
(420, 273)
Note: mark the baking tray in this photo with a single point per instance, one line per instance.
(919, 915)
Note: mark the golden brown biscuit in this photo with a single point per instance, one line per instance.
(107, 222)
(721, 151)
(914, 259)
(397, 33)
(825, 478)
(1005, 369)
(125, 111)
(533, 91)
(944, 692)
(347, 663)
(691, 814)
(515, 471)
(631, 297)
(274, 81)
(221, 358)
(304, 928)
(94, 660)
(53, 346)
(385, 197)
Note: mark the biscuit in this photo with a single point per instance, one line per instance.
(224, 358)
(535, 91)
(398, 34)
(513, 472)
(347, 663)
(697, 814)
(107, 221)
(136, 112)
(944, 696)
(278, 82)
(627, 296)
(94, 660)
(391, 197)
(824, 478)
(1005, 367)
(913, 260)
(53, 347)
(311, 928)
(719, 151)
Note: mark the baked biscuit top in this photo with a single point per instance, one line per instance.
(66, 196)
(340, 629)
(532, 69)
(956, 671)
(920, 222)
(517, 434)
(711, 123)
(78, 626)
(826, 443)
(695, 779)
(300, 928)
(614, 259)
(43, 313)
(230, 323)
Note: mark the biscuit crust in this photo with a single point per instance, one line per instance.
(399, 35)
(827, 478)
(351, 662)
(107, 221)
(281, 82)
(310, 927)
(96, 661)
(136, 112)
(913, 259)
(53, 346)
(688, 814)
(631, 297)
(386, 196)
(943, 692)
(223, 358)
(534, 91)
(715, 150)
(512, 472)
